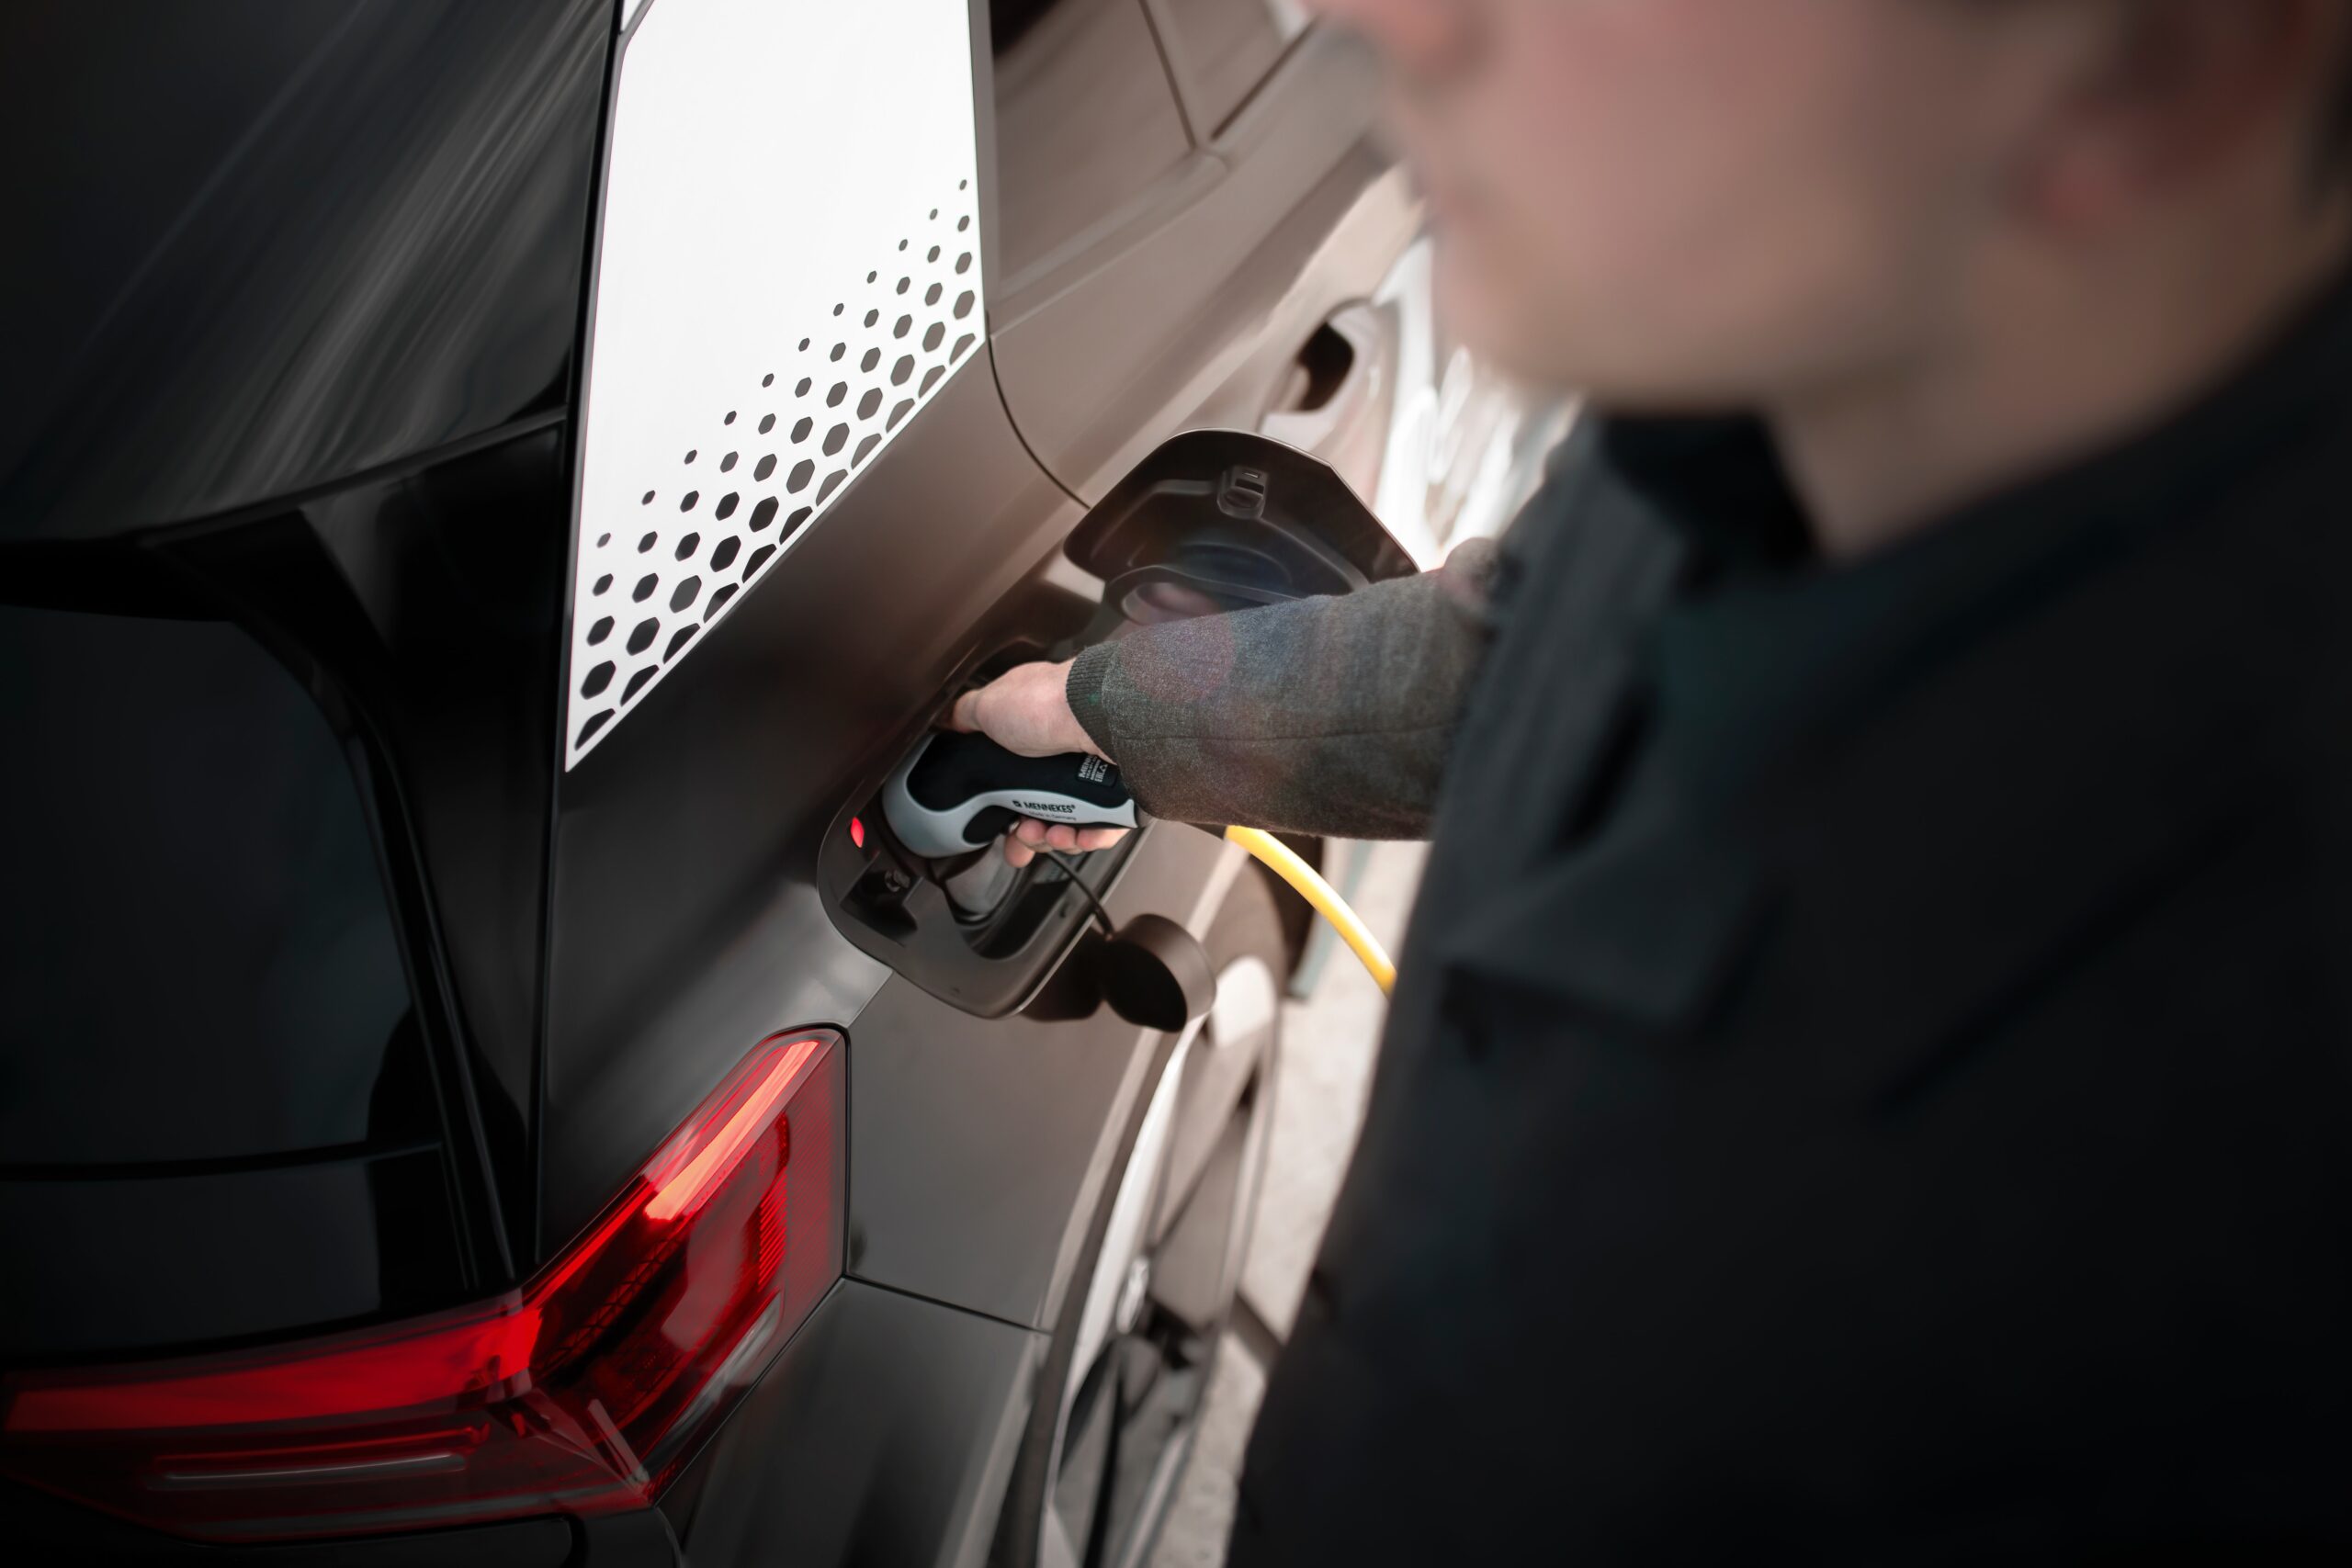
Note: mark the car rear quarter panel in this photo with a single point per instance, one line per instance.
(687, 921)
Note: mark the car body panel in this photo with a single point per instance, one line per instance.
(1220, 52)
(351, 233)
(1194, 308)
(981, 1146)
(884, 1433)
(686, 921)
(1079, 126)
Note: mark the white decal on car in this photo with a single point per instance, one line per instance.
(788, 268)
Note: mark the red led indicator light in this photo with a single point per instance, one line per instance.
(857, 831)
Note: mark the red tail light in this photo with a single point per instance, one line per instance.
(582, 1392)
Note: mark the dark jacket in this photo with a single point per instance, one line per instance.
(1871, 1079)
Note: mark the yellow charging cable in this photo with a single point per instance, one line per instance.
(1283, 862)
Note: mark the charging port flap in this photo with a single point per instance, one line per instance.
(1224, 519)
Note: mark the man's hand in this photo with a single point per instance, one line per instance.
(1026, 710)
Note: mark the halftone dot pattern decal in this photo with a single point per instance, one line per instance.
(735, 393)
(771, 462)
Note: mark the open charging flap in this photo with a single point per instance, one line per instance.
(1218, 520)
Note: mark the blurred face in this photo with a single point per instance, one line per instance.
(1693, 203)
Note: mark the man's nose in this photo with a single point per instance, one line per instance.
(1416, 38)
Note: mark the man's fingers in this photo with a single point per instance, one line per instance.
(965, 714)
(1029, 836)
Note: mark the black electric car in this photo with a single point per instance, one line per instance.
(488, 493)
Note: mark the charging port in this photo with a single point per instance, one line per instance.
(1212, 520)
(970, 928)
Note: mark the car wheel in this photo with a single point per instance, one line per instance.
(1121, 1397)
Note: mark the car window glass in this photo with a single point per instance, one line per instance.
(1085, 121)
(1223, 49)
(197, 958)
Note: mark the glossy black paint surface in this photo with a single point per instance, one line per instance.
(281, 240)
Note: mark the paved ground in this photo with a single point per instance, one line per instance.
(1328, 1043)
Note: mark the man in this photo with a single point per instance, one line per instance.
(1869, 1079)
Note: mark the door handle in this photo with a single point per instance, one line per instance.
(1333, 397)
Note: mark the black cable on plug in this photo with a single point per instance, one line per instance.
(1070, 874)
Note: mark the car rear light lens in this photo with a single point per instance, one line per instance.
(582, 1392)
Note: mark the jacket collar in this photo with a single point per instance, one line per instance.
(1935, 770)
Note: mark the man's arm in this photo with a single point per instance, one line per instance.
(1323, 716)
